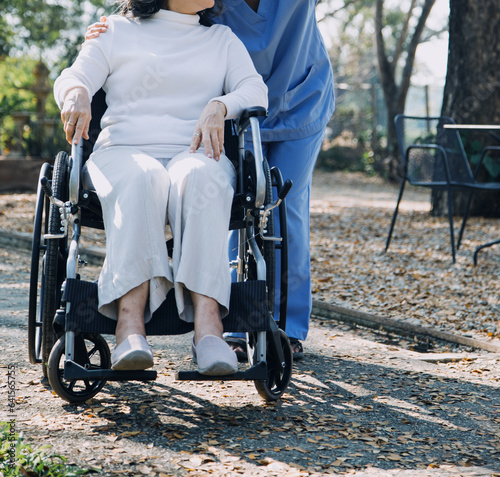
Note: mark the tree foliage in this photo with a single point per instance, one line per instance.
(381, 38)
(34, 31)
(36, 27)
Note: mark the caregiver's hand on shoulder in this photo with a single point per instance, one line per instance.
(75, 115)
(94, 30)
(210, 130)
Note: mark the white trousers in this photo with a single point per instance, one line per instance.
(139, 195)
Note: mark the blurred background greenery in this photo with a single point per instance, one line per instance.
(37, 40)
(374, 47)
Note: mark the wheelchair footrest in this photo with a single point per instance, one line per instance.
(255, 373)
(73, 371)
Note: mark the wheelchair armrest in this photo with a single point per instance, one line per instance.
(253, 112)
(249, 118)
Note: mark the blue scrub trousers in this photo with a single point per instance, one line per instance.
(296, 160)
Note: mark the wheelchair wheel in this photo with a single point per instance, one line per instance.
(37, 270)
(277, 379)
(92, 352)
(54, 261)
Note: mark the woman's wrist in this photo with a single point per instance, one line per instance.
(76, 90)
(223, 106)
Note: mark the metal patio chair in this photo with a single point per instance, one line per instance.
(434, 157)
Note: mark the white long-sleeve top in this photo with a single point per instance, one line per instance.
(158, 75)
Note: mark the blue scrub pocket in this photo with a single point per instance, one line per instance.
(307, 88)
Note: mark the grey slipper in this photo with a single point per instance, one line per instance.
(132, 354)
(214, 357)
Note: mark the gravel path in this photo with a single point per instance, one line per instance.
(361, 403)
(415, 281)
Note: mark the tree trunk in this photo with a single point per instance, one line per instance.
(393, 162)
(472, 90)
(396, 90)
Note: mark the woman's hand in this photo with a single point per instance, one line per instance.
(75, 115)
(210, 130)
(94, 30)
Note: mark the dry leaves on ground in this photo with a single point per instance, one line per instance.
(358, 403)
(415, 281)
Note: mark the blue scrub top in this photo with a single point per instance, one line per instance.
(288, 51)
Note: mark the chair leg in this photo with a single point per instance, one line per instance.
(464, 221)
(401, 190)
(450, 219)
(478, 249)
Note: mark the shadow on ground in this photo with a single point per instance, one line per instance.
(342, 413)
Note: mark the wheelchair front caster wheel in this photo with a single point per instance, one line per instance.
(92, 352)
(277, 379)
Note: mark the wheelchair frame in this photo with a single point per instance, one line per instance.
(62, 205)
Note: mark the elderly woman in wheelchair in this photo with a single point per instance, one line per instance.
(153, 101)
(158, 158)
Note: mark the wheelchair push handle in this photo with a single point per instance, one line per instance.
(47, 189)
(44, 182)
(285, 189)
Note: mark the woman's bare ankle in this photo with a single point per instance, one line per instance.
(207, 320)
(123, 331)
(203, 331)
(131, 313)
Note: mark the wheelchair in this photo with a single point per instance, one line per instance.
(64, 326)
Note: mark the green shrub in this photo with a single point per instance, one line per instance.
(341, 158)
(20, 459)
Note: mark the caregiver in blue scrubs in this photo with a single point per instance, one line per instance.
(287, 49)
(285, 44)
